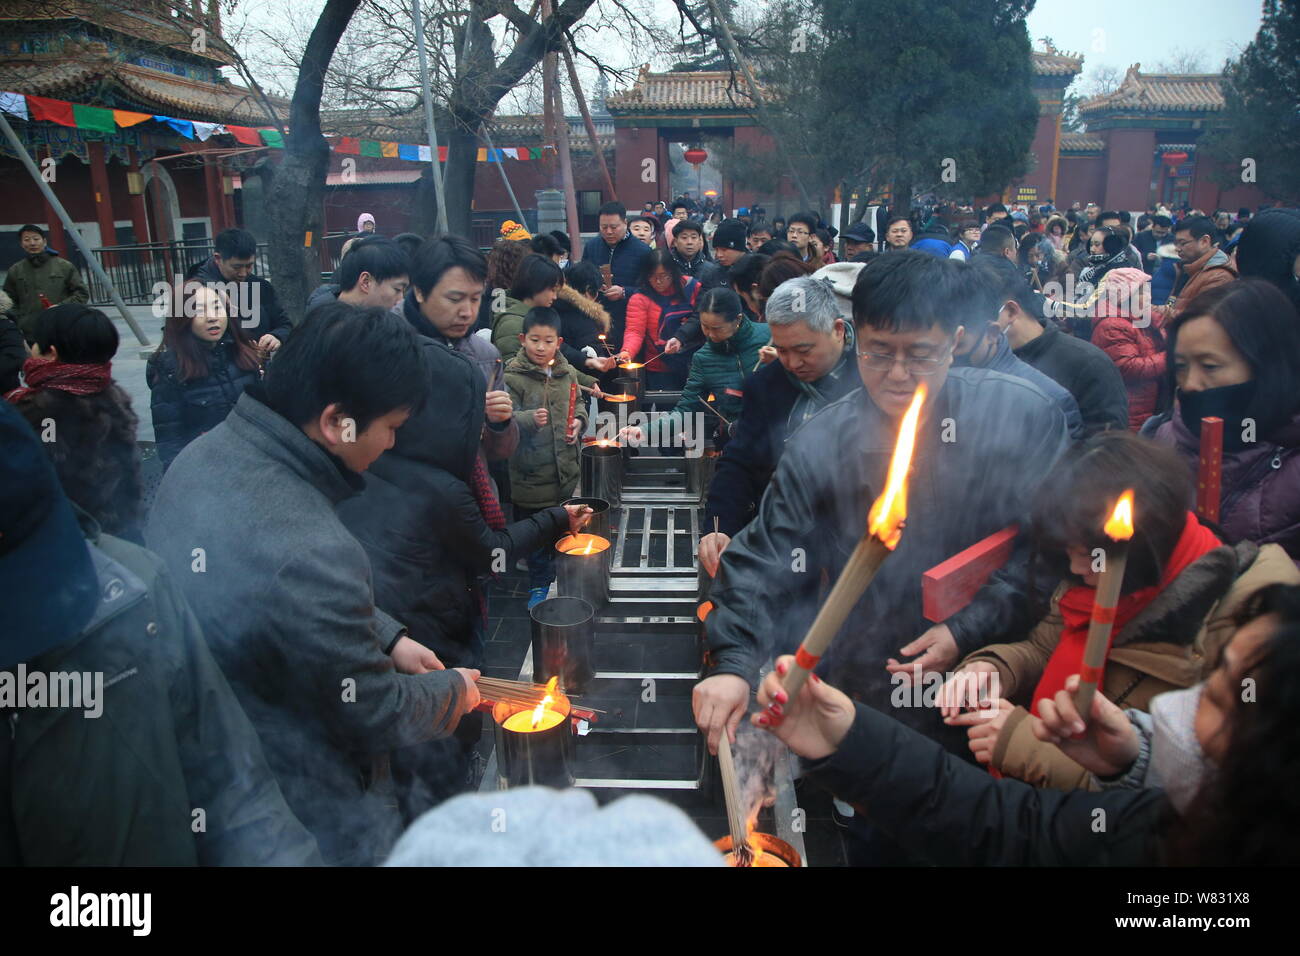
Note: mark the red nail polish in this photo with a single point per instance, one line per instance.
(782, 697)
(815, 679)
(782, 667)
(762, 719)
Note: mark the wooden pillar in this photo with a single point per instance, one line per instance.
(139, 216)
(212, 185)
(228, 200)
(103, 199)
(58, 236)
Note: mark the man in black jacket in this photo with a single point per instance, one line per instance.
(984, 437)
(1084, 370)
(815, 366)
(252, 300)
(618, 254)
(688, 251)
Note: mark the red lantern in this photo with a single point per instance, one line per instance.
(1174, 159)
(696, 156)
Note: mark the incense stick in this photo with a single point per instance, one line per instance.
(716, 412)
(742, 853)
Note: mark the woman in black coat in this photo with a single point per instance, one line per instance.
(583, 320)
(200, 370)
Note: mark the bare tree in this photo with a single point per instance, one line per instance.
(1183, 60)
(1102, 79)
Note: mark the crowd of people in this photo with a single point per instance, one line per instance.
(292, 627)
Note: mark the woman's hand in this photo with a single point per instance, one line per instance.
(984, 728)
(497, 406)
(673, 346)
(631, 434)
(540, 417)
(622, 357)
(601, 364)
(1107, 746)
(268, 343)
(814, 723)
(962, 690)
(579, 515)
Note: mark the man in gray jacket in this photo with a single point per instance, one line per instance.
(245, 519)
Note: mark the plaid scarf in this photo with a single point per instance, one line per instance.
(481, 485)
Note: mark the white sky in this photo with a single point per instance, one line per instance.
(1115, 33)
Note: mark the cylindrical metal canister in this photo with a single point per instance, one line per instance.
(598, 522)
(564, 642)
(539, 757)
(602, 473)
(582, 568)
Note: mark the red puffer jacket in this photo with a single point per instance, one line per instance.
(1124, 303)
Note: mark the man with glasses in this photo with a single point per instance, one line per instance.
(1201, 265)
(799, 233)
(984, 439)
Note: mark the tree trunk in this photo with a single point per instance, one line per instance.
(462, 167)
(298, 186)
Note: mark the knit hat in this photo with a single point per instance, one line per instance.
(364, 218)
(513, 230)
(538, 826)
(730, 234)
(842, 276)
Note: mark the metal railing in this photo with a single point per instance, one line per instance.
(136, 269)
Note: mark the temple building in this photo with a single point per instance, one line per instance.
(154, 65)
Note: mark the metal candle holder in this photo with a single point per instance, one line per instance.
(534, 757)
(602, 473)
(564, 638)
(774, 850)
(581, 573)
(598, 521)
(635, 372)
(699, 472)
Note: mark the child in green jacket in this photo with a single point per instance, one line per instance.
(544, 467)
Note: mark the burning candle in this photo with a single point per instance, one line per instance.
(1119, 528)
(884, 531)
(606, 344)
(582, 544)
(708, 403)
(618, 398)
(534, 743)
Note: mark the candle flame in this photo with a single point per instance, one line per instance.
(710, 398)
(1120, 525)
(889, 511)
(601, 337)
(540, 711)
(587, 549)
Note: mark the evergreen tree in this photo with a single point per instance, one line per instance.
(1259, 140)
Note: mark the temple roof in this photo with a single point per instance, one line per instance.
(142, 19)
(711, 90)
(1081, 143)
(1160, 92)
(1054, 63)
(89, 75)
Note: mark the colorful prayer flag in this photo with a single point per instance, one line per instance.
(15, 104)
(370, 147)
(125, 118)
(409, 151)
(51, 111)
(388, 150)
(272, 138)
(244, 134)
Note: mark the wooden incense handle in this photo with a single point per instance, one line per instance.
(853, 581)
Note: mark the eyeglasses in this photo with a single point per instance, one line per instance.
(879, 362)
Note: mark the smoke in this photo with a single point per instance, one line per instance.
(755, 754)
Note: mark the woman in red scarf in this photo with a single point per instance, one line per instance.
(84, 419)
(1182, 588)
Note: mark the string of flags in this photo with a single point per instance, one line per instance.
(104, 120)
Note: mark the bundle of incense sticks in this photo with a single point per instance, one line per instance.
(742, 852)
(498, 690)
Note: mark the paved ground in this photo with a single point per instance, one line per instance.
(128, 364)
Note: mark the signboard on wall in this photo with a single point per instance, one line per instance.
(1027, 194)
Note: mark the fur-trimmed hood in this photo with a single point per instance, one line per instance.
(588, 307)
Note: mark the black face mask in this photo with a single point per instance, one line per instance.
(1229, 402)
